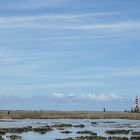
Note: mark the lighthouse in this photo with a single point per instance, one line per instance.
(136, 104)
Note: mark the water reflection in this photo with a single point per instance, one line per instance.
(98, 126)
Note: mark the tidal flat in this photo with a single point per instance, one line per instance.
(70, 129)
(51, 125)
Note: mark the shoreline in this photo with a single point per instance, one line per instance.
(27, 114)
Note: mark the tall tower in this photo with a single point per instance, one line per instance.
(136, 104)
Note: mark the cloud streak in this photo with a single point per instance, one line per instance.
(53, 17)
(89, 96)
(29, 87)
(102, 97)
(67, 22)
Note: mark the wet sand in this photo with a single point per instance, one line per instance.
(70, 129)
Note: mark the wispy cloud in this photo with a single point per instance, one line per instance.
(12, 56)
(106, 72)
(28, 87)
(58, 95)
(89, 96)
(69, 22)
(102, 97)
(55, 17)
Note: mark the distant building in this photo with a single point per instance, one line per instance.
(136, 104)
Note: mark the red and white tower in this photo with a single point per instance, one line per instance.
(136, 104)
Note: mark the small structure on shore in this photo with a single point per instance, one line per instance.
(136, 104)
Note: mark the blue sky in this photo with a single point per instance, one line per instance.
(69, 54)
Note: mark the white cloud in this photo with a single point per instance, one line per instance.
(71, 94)
(24, 19)
(88, 96)
(58, 95)
(69, 22)
(62, 95)
(102, 97)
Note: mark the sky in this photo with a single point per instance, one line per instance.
(69, 54)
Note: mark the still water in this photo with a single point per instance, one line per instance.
(98, 126)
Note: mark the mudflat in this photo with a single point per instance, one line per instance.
(24, 114)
